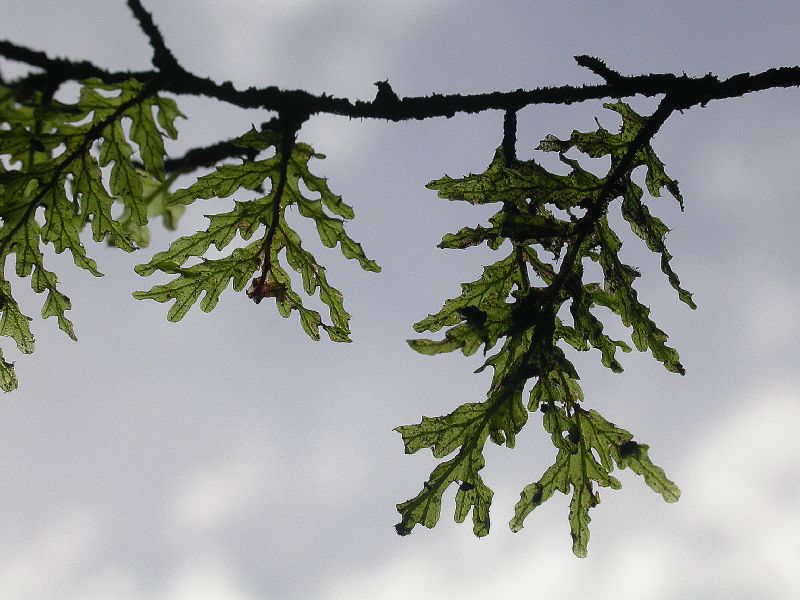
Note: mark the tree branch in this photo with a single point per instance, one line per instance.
(686, 91)
(510, 136)
(61, 69)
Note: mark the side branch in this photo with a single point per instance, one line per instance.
(597, 66)
(163, 59)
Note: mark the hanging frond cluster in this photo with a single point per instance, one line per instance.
(504, 306)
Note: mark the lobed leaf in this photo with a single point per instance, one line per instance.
(209, 276)
(623, 300)
(13, 323)
(653, 231)
(478, 299)
(595, 446)
(279, 174)
(521, 185)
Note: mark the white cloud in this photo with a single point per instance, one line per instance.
(772, 322)
(745, 494)
(744, 464)
(207, 578)
(54, 559)
(217, 493)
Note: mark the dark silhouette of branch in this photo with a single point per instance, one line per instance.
(60, 70)
(204, 156)
(598, 67)
(163, 59)
(687, 91)
(510, 136)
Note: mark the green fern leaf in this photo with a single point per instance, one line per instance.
(8, 377)
(624, 301)
(466, 427)
(577, 468)
(653, 231)
(124, 182)
(55, 175)
(61, 228)
(13, 322)
(226, 180)
(244, 220)
(144, 131)
(96, 204)
(210, 277)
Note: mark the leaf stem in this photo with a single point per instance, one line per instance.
(288, 136)
(510, 136)
(586, 224)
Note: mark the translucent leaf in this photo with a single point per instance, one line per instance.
(425, 508)
(577, 469)
(269, 177)
(500, 418)
(480, 315)
(96, 204)
(25, 243)
(8, 377)
(653, 231)
(226, 180)
(13, 323)
(209, 276)
(55, 186)
(516, 186)
(124, 182)
(61, 228)
(623, 300)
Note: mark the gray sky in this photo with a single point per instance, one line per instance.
(228, 457)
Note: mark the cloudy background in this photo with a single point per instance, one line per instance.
(228, 457)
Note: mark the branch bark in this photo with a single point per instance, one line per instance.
(685, 90)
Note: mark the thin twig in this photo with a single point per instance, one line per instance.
(599, 67)
(163, 59)
(510, 136)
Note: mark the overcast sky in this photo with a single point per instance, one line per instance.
(228, 457)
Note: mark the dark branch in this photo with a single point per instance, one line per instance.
(61, 69)
(205, 156)
(163, 59)
(510, 136)
(597, 66)
(686, 91)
